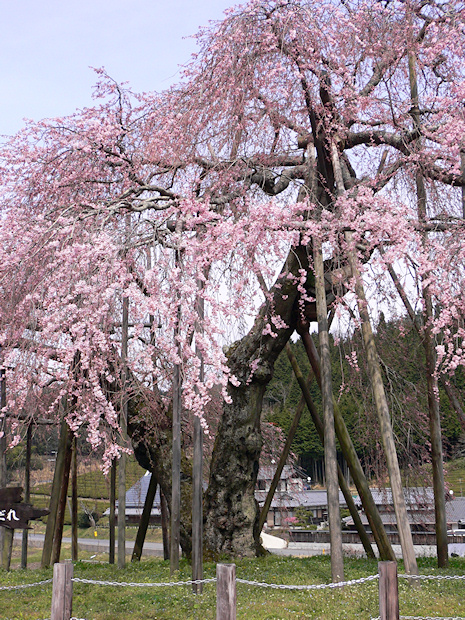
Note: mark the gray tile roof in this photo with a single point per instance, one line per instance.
(296, 499)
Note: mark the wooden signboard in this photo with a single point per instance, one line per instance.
(14, 514)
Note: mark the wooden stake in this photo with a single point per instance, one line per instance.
(62, 593)
(388, 591)
(226, 592)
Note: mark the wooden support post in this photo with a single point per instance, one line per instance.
(319, 427)
(429, 340)
(383, 414)
(144, 519)
(112, 518)
(225, 592)
(27, 493)
(197, 508)
(332, 490)
(165, 525)
(124, 438)
(176, 445)
(62, 593)
(3, 476)
(388, 591)
(197, 475)
(74, 503)
(7, 547)
(55, 494)
(60, 514)
(384, 546)
(176, 473)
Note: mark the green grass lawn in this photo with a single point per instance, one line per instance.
(360, 602)
(92, 602)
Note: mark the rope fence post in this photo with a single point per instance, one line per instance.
(225, 592)
(62, 593)
(388, 591)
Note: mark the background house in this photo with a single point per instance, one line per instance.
(292, 494)
(420, 509)
(135, 499)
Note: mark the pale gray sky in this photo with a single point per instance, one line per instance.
(46, 49)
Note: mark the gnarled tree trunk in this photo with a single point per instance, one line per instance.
(231, 522)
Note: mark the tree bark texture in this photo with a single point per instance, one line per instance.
(232, 516)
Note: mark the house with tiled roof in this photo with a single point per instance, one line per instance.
(419, 502)
(135, 499)
(292, 493)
